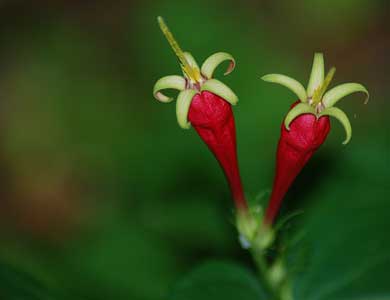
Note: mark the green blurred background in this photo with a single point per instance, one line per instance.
(103, 196)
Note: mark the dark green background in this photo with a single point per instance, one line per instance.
(104, 197)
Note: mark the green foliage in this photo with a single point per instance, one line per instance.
(339, 248)
(17, 284)
(349, 246)
(122, 262)
(218, 280)
(145, 200)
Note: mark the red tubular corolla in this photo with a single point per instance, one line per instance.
(296, 146)
(212, 117)
(306, 126)
(206, 104)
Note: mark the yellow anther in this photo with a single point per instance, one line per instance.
(319, 92)
(192, 73)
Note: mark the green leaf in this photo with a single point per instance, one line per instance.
(18, 284)
(123, 262)
(218, 280)
(349, 248)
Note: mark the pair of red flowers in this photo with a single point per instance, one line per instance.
(205, 103)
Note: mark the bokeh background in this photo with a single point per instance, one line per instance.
(103, 196)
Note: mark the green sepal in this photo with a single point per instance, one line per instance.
(265, 237)
(248, 222)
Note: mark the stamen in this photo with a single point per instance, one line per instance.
(319, 92)
(192, 73)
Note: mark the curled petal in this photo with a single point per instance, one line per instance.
(182, 107)
(213, 61)
(332, 96)
(299, 109)
(342, 117)
(168, 82)
(317, 74)
(220, 89)
(290, 83)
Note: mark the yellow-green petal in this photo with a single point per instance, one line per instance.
(342, 117)
(213, 61)
(299, 109)
(317, 74)
(182, 107)
(220, 89)
(288, 82)
(168, 82)
(334, 95)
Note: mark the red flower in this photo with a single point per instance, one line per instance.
(205, 103)
(306, 126)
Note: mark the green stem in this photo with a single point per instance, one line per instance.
(276, 291)
(259, 238)
(263, 269)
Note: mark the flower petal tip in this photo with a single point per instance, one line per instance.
(230, 68)
(367, 96)
(266, 77)
(335, 94)
(317, 74)
(162, 98)
(345, 142)
(342, 118)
